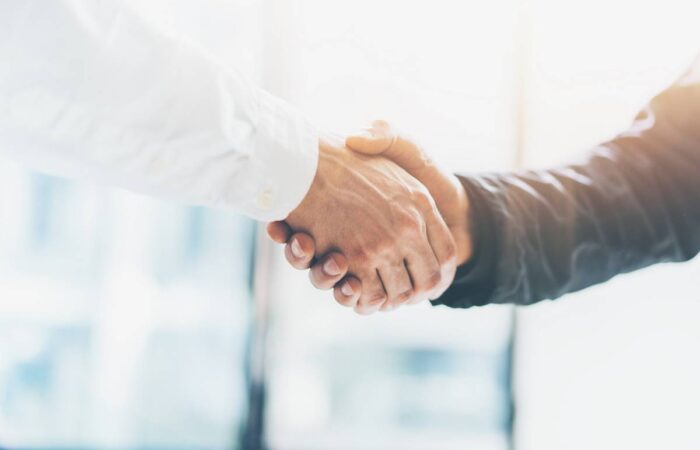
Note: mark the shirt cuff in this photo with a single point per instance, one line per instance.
(287, 147)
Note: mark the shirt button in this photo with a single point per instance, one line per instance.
(265, 199)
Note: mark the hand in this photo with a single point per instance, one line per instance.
(447, 191)
(450, 198)
(383, 220)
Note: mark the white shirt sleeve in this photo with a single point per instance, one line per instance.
(91, 90)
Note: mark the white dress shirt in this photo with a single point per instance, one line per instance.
(89, 89)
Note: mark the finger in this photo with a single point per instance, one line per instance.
(387, 306)
(423, 267)
(445, 250)
(373, 294)
(279, 231)
(328, 271)
(397, 284)
(418, 298)
(348, 291)
(300, 251)
(373, 140)
(381, 138)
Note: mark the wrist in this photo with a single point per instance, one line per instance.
(320, 178)
(462, 231)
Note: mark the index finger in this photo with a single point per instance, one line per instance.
(279, 231)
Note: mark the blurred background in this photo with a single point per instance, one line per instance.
(132, 323)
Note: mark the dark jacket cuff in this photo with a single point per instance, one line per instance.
(475, 281)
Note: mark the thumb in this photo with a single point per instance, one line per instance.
(374, 140)
(381, 139)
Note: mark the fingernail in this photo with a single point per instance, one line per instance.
(331, 267)
(366, 134)
(346, 289)
(296, 249)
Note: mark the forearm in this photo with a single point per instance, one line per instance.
(634, 202)
(93, 90)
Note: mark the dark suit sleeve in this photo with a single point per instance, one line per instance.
(632, 202)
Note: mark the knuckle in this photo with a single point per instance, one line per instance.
(360, 257)
(375, 298)
(403, 297)
(408, 223)
(418, 299)
(423, 200)
(376, 252)
(433, 280)
(450, 251)
(363, 310)
(427, 160)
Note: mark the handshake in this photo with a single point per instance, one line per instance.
(381, 224)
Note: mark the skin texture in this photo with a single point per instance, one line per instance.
(330, 268)
(383, 223)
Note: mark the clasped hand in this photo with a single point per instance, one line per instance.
(381, 224)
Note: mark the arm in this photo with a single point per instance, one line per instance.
(91, 90)
(633, 202)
